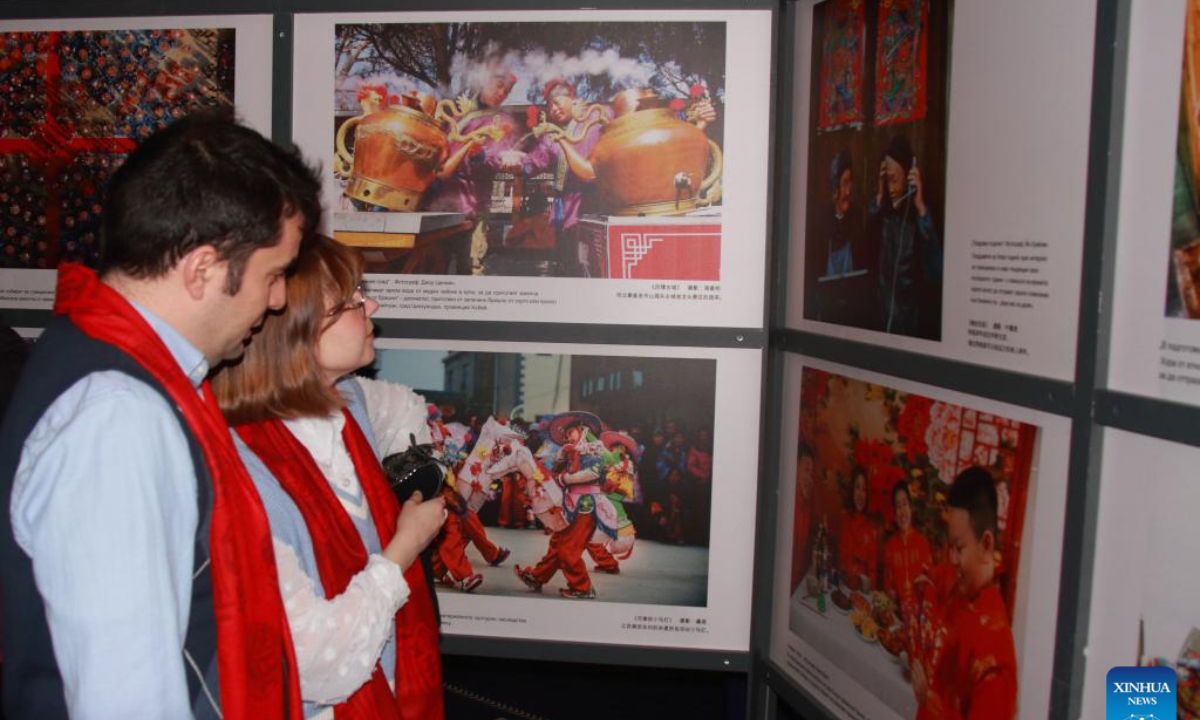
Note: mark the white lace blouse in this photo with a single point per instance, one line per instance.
(338, 640)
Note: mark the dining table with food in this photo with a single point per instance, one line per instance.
(859, 631)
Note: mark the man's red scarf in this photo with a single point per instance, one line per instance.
(255, 659)
(340, 554)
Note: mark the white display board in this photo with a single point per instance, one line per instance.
(1000, 146)
(906, 433)
(1144, 595)
(530, 239)
(1155, 348)
(686, 583)
(78, 115)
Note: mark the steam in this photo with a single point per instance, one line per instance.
(534, 69)
(621, 70)
(470, 73)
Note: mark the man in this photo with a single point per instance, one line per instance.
(842, 226)
(910, 252)
(133, 540)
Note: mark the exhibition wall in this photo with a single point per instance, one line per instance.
(806, 264)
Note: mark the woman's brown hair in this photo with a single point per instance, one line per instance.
(278, 376)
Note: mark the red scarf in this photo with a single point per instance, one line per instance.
(255, 659)
(340, 554)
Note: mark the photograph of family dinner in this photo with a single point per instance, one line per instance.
(908, 523)
(548, 149)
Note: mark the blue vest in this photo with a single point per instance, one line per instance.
(32, 683)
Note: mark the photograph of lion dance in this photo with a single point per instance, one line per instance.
(569, 478)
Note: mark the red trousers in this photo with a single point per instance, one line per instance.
(566, 554)
(451, 553)
(513, 501)
(604, 559)
(475, 533)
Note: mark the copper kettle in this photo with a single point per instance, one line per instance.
(649, 162)
(397, 151)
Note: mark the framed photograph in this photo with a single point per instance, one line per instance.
(917, 529)
(1156, 295)
(581, 166)
(597, 493)
(1144, 608)
(916, 136)
(76, 97)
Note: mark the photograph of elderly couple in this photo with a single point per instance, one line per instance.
(583, 477)
(874, 225)
(511, 149)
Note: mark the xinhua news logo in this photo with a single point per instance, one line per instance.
(1140, 693)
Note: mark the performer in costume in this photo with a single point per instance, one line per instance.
(474, 486)
(566, 144)
(578, 468)
(358, 605)
(114, 434)
(620, 483)
(544, 496)
(514, 503)
(450, 563)
(465, 177)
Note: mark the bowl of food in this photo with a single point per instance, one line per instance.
(869, 630)
(860, 603)
(886, 616)
(891, 639)
(841, 600)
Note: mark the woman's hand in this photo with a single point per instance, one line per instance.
(417, 525)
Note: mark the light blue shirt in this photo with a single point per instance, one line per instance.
(104, 502)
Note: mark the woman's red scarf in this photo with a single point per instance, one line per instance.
(340, 554)
(256, 662)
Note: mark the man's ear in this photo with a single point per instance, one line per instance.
(201, 270)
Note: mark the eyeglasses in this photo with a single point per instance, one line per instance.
(358, 301)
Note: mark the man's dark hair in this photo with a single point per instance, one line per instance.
(974, 490)
(901, 151)
(203, 180)
(841, 163)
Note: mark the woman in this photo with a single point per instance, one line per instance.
(358, 606)
(906, 554)
(858, 545)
